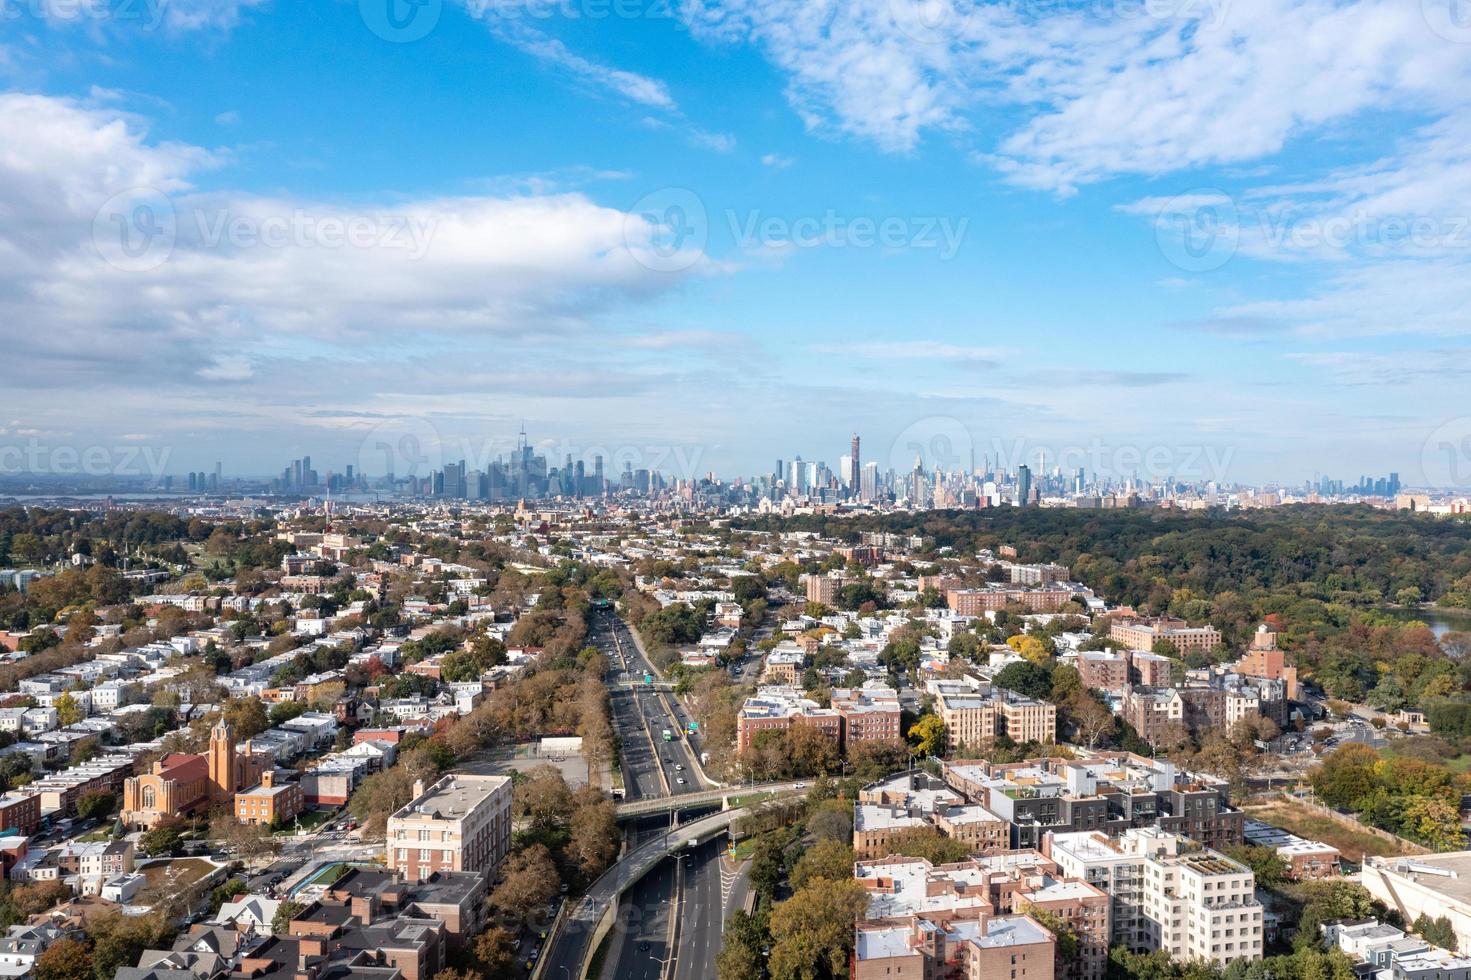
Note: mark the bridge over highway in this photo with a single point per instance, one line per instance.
(685, 801)
(584, 925)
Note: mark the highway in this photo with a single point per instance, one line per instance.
(701, 913)
(574, 937)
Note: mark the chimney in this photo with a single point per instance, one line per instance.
(268, 778)
(418, 788)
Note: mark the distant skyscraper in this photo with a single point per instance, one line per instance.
(1023, 485)
(854, 466)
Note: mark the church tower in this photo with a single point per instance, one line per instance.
(222, 775)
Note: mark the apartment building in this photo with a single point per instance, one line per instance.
(975, 713)
(1167, 893)
(978, 602)
(274, 802)
(1142, 633)
(777, 709)
(824, 588)
(869, 714)
(1105, 791)
(784, 664)
(924, 922)
(1041, 574)
(461, 823)
(911, 800)
(1263, 659)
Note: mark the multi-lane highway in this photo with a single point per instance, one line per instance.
(640, 946)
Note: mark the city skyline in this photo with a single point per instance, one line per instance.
(676, 227)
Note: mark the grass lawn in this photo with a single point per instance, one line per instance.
(310, 820)
(1352, 844)
(749, 799)
(176, 873)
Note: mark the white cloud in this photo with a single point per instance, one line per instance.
(1107, 90)
(267, 277)
(507, 25)
(914, 350)
(776, 161)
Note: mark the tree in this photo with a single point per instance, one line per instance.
(833, 820)
(1026, 678)
(928, 736)
(930, 844)
(493, 953)
(1436, 932)
(742, 949)
(246, 717)
(97, 804)
(1433, 822)
(543, 798)
(530, 882)
(68, 710)
(1066, 951)
(1268, 866)
(65, 959)
(118, 940)
(1030, 647)
(812, 932)
(831, 860)
(593, 838)
(159, 841)
(285, 912)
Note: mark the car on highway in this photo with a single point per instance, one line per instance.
(800, 785)
(680, 780)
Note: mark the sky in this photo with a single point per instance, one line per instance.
(1211, 239)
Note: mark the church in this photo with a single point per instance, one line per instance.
(183, 784)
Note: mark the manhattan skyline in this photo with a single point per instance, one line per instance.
(246, 230)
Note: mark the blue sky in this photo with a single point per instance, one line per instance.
(1206, 238)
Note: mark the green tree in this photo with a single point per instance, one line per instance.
(285, 912)
(162, 841)
(98, 804)
(1436, 932)
(1027, 678)
(827, 859)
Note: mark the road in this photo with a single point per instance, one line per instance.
(702, 914)
(651, 768)
(649, 763)
(575, 935)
